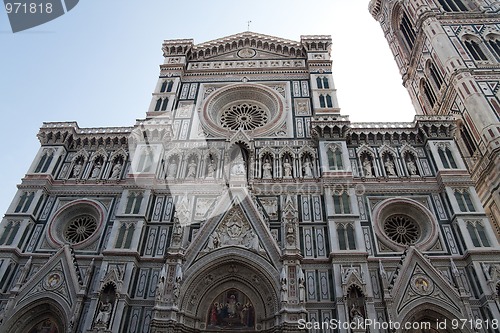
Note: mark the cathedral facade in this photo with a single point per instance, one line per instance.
(246, 201)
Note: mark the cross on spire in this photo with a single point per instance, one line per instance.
(248, 25)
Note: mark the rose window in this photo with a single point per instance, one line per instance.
(245, 116)
(80, 228)
(402, 229)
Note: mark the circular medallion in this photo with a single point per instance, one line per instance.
(246, 53)
(53, 280)
(422, 285)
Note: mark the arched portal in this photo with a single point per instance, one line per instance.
(429, 318)
(44, 315)
(245, 284)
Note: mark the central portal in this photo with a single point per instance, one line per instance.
(231, 310)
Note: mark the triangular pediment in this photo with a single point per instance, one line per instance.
(58, 278)
(247, 45)
(235, 222)
(417, 282)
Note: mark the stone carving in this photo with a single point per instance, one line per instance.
(77, 169)
(412, 167)
(96, 171)
(238, 167)
(302, 289)
(287, 167)
(191, 173)
(117, 169)
(271, 206)
(234, 230)
(267, 170)
(308, 168)
(390, 168)
(367, 167)
(211, 169)
(104, 314)
(356, 317)
(172, 169)
(283, 286)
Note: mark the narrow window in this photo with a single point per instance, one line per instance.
(351, 237)
(473, 236)
(326, 85)
(329, 101)
(164, 104)
(121, 235)
(495, 45)
(158, 104)
(449, 155)
(338, 159)
(48, 161)
(20, 204)
(6, 233)
(429, 94)
(468, 201)
(407, 31)
(319, 83)
(436, 76)
(128, 240)
(443, 158)
(170, 85)
(29, 200)
(341, 235)
(482, 235)
(475, 50)
(41, 163)
(453, 5)
(322, 103)
(13, 234)
(460, 201)
(163, 86)
(130, 203)
(341, 203)
(138, 201)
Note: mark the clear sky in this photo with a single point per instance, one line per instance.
(98, 64)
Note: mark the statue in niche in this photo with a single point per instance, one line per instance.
(412, 167)
(191, 173)
(96, 171)
(390, 168)
(367, 167)
(267, 170)
(238, 168)
(77, 169)
(172, 169)
(287, 167)
(211, 169)
(302, 288)
(308, 168)
(160, 289)
(117, 169)
(356, 316)
(284, 291)
(104, 314)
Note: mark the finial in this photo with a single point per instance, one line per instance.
(248, 25)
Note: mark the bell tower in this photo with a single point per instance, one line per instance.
(448, 54)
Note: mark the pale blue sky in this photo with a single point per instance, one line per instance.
(98, 64)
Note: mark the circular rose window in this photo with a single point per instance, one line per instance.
(402, 229)
(76, 223)
(80, 228)
(244, 115)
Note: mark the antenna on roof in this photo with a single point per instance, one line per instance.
(248, 25)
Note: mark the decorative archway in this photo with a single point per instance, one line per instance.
(225, 272)
(37, 316)
(426, 317)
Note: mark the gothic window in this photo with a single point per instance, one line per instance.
(436, 76)
(446, 157)
(9, 233)
(163, 86)
(329, 101)
(477, 234)
(341, 203)
(464, 200)
(124, 238)
(45, 160)
(322, 102)
(494, 43)
(335, 158)
(475, 49)
(158, 104)
(468, 141)
(170, 85)
(164, 104)
(322, 83)
(134, 201)
(319, 82)
(407, 31)
(453, 5)
(346, 237)
(429, 93)
(24, 202)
